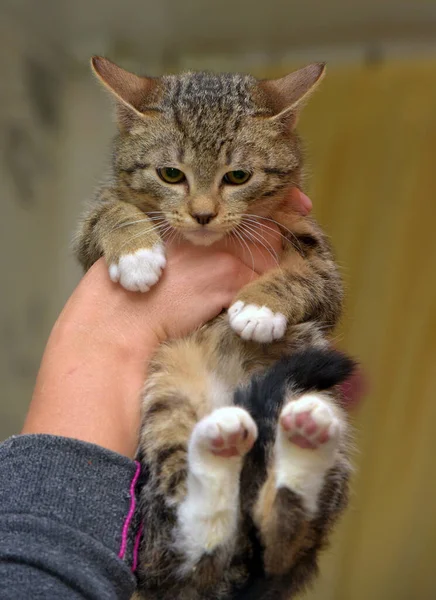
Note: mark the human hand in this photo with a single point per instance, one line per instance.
(95, 362)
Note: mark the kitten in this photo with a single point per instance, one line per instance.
(244, 476)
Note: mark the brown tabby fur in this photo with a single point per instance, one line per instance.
(204, 124)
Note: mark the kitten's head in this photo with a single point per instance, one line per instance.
(202, 151)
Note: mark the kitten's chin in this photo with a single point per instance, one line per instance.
(202, 237)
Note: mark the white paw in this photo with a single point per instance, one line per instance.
(228, 431)
(307, 444)
(256, 323)
(138, 271)
(310, 422)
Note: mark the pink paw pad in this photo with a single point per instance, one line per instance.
(235, 444)
(227, 432)
(309, 422)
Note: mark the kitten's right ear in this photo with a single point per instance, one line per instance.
(131, 91)
(288, 94)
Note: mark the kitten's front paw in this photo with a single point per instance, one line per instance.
(256, 323)
(138, 271)
(226, 432)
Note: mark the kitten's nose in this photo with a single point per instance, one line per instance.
(203, 217)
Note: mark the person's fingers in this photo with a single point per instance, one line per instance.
(299, 202)
(194, 288)
(305, 204)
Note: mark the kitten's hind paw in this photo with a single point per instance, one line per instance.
(226, 432)
(309, 422)
(256, 323)
(307, 444)
(140, 270)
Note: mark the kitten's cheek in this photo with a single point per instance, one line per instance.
(140, 270)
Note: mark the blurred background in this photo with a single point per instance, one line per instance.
(370, 133)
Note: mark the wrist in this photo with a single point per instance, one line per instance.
(92, 395)
(93, 371)
(112, 315)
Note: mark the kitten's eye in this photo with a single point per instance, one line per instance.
(236, 177)
(171, 175)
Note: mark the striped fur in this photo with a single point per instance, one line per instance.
(265, 540)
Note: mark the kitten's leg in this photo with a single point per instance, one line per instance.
(307, 456)
(306, 287)
(177, 433)
(208, 516)
(127, 238)
(307, 446)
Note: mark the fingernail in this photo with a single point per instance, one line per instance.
(305, 203)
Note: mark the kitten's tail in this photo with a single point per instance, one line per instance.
(309, 370)
(313, 369)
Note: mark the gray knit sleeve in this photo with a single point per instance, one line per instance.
(68, 521)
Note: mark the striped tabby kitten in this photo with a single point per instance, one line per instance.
(243, 483)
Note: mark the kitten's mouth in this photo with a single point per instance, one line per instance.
(202, 237)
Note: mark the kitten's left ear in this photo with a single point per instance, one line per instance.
(288, 94)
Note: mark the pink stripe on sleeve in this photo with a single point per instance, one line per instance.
(130, 514)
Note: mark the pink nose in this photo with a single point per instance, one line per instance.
(203, 218)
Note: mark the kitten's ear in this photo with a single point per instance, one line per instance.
(288, 94)
(131, 91)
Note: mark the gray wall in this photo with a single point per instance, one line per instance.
(55, 125)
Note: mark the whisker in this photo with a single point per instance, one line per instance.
(155, 215)
(157, 228)
(254, 237)
(262, 225)
(150, 229)
(256, 241)
(277, 233)
(280, 225)
(237, 239)
(241, 237)
(129, 223)
(172, 235)
(258, 235)
(234, 236)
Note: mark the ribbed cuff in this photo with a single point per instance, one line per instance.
(78, 484)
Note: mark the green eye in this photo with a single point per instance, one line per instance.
(236, 177)
(171, 175)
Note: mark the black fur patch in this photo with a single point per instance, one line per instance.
(307, 240)
(307, 370)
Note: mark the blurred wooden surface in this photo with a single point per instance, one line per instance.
(371, 143)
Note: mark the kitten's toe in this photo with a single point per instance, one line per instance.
(256, 323)
(226, 432)
(310, 422)
(140, 270)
